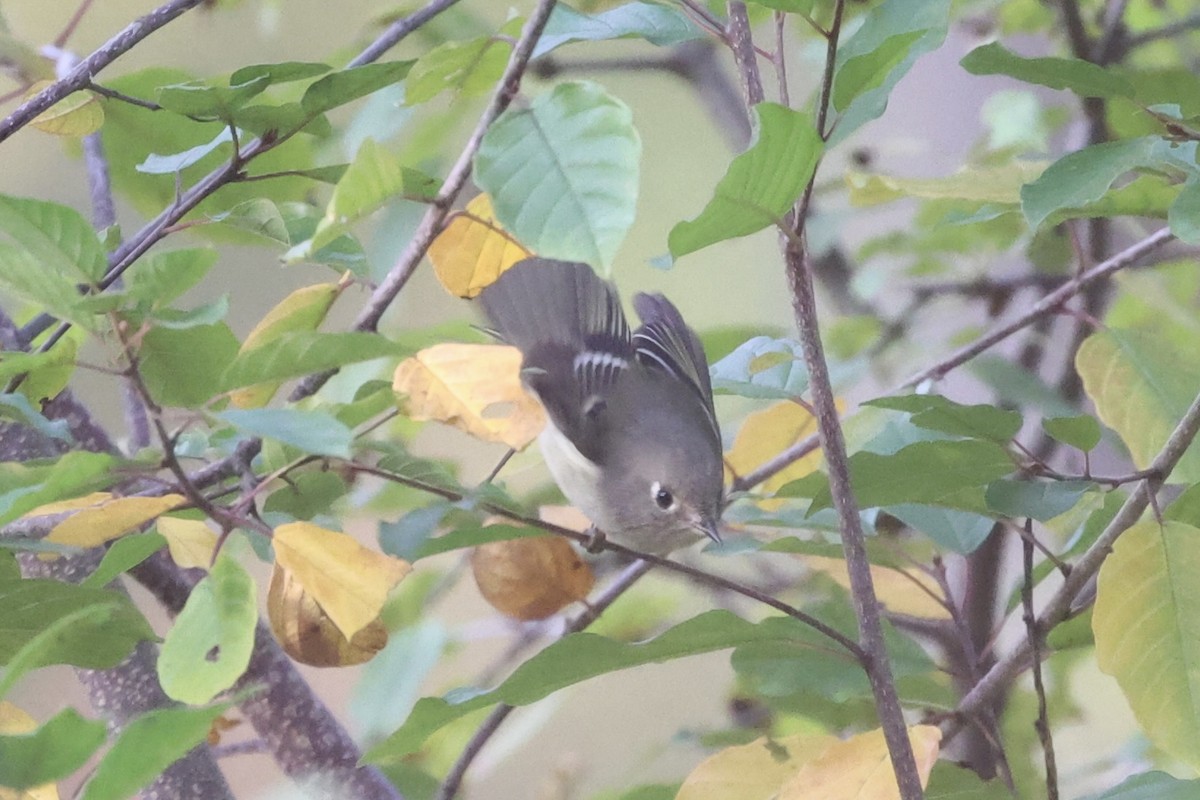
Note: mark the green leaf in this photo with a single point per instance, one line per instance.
(49, 622)
(164, 275)
(578, 657)
(761, 184)
(1142, 384)
(460, 538)
(146, 747)
(1184, 214)
(1185, 507)
(1081, 432)
(951, 782)
(1152, 786)
(929, 473)
(868, 71)
(24, 488)
(208, 648)
(661, 25)
(1147, 605)
(472, 67)
(156, 164)
(958, 531)
(307, 494)
(55, 236)
(1084, 176)
(210, 101)
(284, 72)
(978, 184)
(123, 555)
(260, 217)
(184, 367)
(374, 178)
(762, 367)
(201, 316)
(51, 753)
(936, 413)
(17, 407)
(882, 53)
(792, 6)
(315, 432)
(563, 173)
(1081, 77)
(23, 276)
(1041, 500)
(347, 85)
(295, 354)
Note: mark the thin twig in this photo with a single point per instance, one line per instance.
(628, 577)
(1034, 634)
(87, 68)
(436, 214)
(696, 574)
(72, 24)
(1177, 28)
(398, 30)
(1085, 568)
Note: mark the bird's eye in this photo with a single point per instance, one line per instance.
(662, 497)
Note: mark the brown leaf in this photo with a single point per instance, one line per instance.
(531, 578)
(306, 632)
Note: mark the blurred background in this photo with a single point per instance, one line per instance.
(579, 737)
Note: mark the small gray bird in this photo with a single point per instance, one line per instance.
(632, 438)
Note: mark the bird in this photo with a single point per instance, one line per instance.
(632, 437)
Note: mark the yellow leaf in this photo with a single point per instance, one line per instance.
(190, 541)
(74, 504)
(860, 768)
(471, 252)
(306, 632)
(77, 114)
(752, 771)
(898, 591)
(96, 524)
(764, 435)
(302, 310)
(14, 722)
(474, 387)
(531, 578)
(1000, 184)
(349, 581)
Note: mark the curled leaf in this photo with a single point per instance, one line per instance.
(348, 581)
(307, 633)
(532, 577)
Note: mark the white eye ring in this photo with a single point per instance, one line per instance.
(662, 497)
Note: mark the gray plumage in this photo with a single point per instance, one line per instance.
(634, 441)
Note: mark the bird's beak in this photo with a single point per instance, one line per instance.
(708, 526)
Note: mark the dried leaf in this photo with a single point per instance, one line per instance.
(471, 252)
(531, 578)
(350, 582)
(306, 632)
(474, 387)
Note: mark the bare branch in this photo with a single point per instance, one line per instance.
(1034, 637)
(82, 75)
(398, 30)
(740, 42)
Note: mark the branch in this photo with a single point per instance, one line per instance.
(435, 215)
(799, 273)
(83, 73)
(1034, 634)
(398, 30)
(629, 576)
(1047, 305)
(1059, 606)
(738, 36)
(1177, 28)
